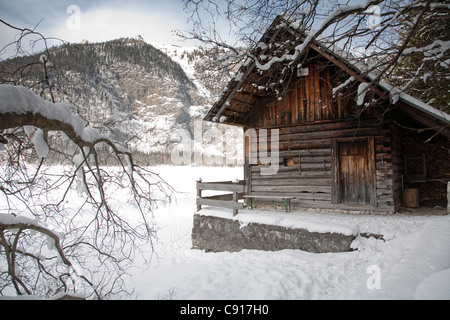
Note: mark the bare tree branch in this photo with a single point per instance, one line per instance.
(96, 242)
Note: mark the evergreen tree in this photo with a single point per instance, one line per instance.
(424, 71)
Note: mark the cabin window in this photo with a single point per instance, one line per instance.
(415, 167)
(302, 72)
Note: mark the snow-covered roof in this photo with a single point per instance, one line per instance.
(416, 103)
(336, 55)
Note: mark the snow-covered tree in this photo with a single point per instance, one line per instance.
(425, 71)
(49, 246)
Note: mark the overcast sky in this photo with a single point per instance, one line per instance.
(95, 21)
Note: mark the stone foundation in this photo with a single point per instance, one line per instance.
(215, 234)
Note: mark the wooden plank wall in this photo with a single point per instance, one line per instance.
(306, 163)
(309, 99)
(397, 165)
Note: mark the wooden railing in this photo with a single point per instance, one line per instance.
(230, 200)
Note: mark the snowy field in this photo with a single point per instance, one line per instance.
(413, 262)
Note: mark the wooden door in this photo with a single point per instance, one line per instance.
(356, 172)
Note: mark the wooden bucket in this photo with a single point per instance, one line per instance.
(411, 198)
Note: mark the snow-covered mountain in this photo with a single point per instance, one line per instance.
(148, 96)
(191, 59)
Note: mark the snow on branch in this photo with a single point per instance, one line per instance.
(362, 90)
(343, 85)
(20, 106)
(12, 251)
(9, 222)
(337, 14)
(433, 51)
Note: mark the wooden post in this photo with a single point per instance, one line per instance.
(448, 197)
(235, 199)
(199, 194)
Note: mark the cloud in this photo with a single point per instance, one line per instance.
(95, 21)
(112, 23)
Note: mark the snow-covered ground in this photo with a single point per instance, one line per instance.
(412, 262)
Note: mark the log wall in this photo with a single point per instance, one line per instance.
(308, 169)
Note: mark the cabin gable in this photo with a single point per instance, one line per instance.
(313, 96)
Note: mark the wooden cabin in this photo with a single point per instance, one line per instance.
(337, 149)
